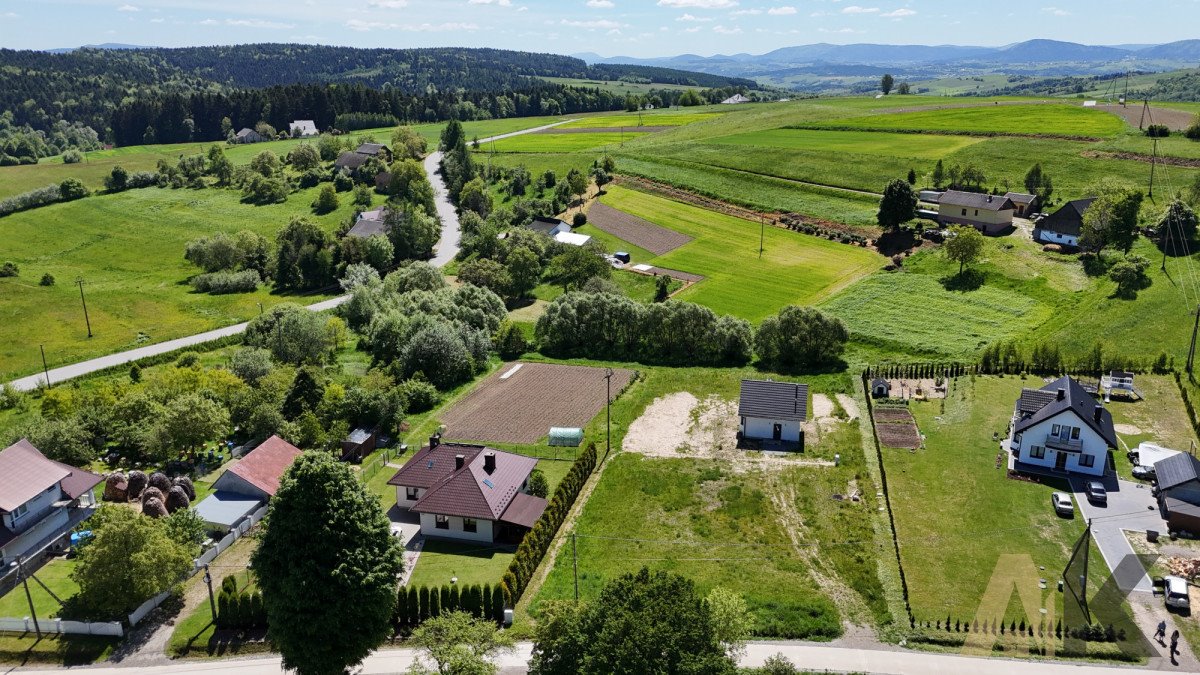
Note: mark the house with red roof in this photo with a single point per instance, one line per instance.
(247, 484)
(469, 492)
(41, 500)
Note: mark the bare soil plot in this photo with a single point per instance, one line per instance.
(1176, 120)
(520, 406)
(637, 231)
(897, 428)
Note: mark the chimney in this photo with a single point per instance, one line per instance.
(1099, 409)
(489, 462)
(989, 199)
(458, 462)
(434, 441)
(1062, 393)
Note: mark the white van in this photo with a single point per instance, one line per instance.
(1176, 591)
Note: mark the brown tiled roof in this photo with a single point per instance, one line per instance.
(264, 466)
(25, 473)
(524, 510)
(975, 200)
(79, 481)
(470, 492)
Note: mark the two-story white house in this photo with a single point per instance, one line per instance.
(1062, 428)
(469, 492)
(41, 500)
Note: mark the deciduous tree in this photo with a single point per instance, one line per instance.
(964, 246)
(459, 643)
(800, 337)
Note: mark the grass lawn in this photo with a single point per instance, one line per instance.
(795, 268)
(64, 650)
(550, 142)
(57, 575)
(925, 146)
(472, 563)
(639, 287)
(128, 248)
(1057, 119)
(1159, 418)
(633, 119)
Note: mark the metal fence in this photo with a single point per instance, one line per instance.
(368, 470)
(61, 627)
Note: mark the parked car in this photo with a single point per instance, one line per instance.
(1062, 504)
(1096, 493)
(1144, 472)
(1176, 592)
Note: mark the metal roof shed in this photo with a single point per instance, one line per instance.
(222, 510)
(566, 437)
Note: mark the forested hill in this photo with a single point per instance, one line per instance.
(87, 85)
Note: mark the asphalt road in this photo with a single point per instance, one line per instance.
(1130, 507)
(805, 656)
(446, 249)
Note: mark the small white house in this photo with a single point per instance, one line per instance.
(550, 227)
(1064, 225)
(772, 411)
(735, 99)
(1062, 428)
(990, 214)
(302, 129)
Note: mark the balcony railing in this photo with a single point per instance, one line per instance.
(1059, 443)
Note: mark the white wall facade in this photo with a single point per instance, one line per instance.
(483, 529)
(761, 428)
(989, 221)
(55, 523)
(402, 499)
(1048, 237)
(232, 482)
(34, 510)
(1027, 442)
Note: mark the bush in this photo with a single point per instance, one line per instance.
(185, 360)
(9, 269)
(1193, 131)
(510, 341)
(1158, 131)
(72, 188)
(218, 283)
(579, 220)
(72, 156)
(142, 179)
(47, 280)
(50, 194)
(418, 395)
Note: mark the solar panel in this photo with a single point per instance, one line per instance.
(488, 482)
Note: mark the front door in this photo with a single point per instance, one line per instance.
(777, 432)
(1060, 461)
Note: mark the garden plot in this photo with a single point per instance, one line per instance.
(897, 428)
(680, 425)
(637, 231)
(520, 402)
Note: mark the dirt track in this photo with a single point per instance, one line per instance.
(637, 231)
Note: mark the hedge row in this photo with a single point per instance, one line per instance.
(243, 609)
(416, 604)
(537, 541)
(1088, 633)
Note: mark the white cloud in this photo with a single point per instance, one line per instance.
(364, 26)
(129, 8)
(723, 30)
(693, 19)
(596, 23)
(842, 31)
(698, 4)
(10, 15)
(855, 9)
(693, 29)
(257, 23)
(899, 13)
(600, 4)
(743, 12)
(615, 31)
(387, 4)
(781, 11)
(157, 20)
(1055, 11)
(499, 3)
(209, 22)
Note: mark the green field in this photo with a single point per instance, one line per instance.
(638, 119)
(617, 86)
(57, 575)
(128, 248)
(551, 142)
(794, 269)
(924, 146)
(1054, 119)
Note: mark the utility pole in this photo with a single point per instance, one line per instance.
(45, 368)
(1153, 160)
(1192, 349)
(608, 373)
(79, 280)
(762, 226)
(575, 565)
(212, 604)
(25, 580)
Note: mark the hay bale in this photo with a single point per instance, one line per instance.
(177, 499)
(137, 483)
(116, 488)
(1052, 248)
(153, 493)
(159, 480)
(186, 483)
(154, 508)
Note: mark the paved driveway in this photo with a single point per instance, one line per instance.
(1130, 507)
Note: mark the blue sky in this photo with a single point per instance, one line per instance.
(608, 27)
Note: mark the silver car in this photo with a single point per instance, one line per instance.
(1062, 503)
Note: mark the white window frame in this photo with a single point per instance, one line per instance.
(412, 494)
(441, 522)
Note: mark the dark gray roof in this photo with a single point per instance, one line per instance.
(1020, 197)
(371, 148)
(880, 382)
(351, 160)
(1068, 219)
(1075, 399)
(773, 400)
(367, 227)
(1033, 400)
(1176, 470)
(975, 200)
(545, 225)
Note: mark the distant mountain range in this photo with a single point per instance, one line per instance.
(105, 45)
(1032, 57)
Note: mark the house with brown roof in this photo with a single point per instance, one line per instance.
(990, 214)
(469, 492)
(247, 484)
(41, 500)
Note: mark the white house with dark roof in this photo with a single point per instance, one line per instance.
(1064, 226)
(469, 492)
(41, 500)
(990, 214)
(1061, 428)
(772, 411)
